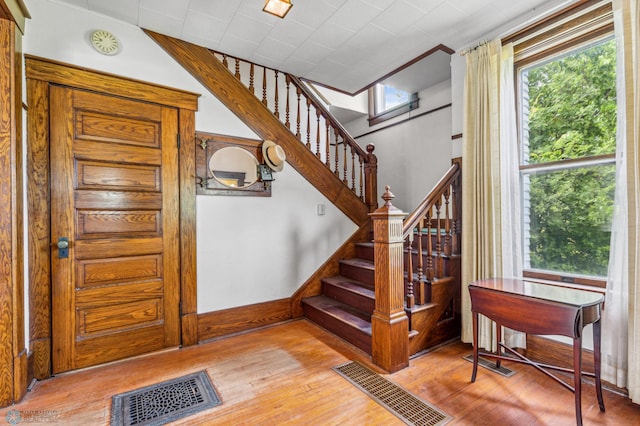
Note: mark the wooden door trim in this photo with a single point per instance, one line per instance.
(13, 355)
(82, 78)
(40, 74)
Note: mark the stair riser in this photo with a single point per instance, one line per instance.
(364, 252)
(347, 297)
(356, 273)
(337, 327)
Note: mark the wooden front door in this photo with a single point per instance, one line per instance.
(114, 198)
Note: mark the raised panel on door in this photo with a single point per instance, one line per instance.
(114, 196)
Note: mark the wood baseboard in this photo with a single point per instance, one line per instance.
(313, 286)
(243, 318)
(550, 351)
(20, 376)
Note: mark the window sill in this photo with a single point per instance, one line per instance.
(579, 283)
(392, 113)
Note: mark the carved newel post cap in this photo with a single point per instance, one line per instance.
(370, 148)
(387, 209)
(387, 196)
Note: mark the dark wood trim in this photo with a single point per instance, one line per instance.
(549, 20)
(40, 74)
(206, 145)
(83, 78)
(597, 34)
(38, 201)
(553, 352)
(20, 351)
(13, 354)
(331, 267)
(15, 11)
(188, 265)
(567, 280)
(438, 48)
(243, 318)
(431, 111)
(413, 104)
(212, 74)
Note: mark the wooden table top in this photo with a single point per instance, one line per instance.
(554, 293)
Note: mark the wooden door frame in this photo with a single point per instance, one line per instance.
(40, 74)
(13, 353)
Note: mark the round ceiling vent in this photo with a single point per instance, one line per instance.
(104, 42)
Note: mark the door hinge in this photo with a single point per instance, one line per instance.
(178, 139)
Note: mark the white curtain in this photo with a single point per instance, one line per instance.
(620, 322)
(510, 183)
(489, 188)
(615, 316)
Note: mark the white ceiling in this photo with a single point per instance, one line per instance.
(343, 44)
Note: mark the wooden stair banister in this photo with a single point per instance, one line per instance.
(371, 184)
(371, 285)
(205, 67)
(315, 126)
(444, 226)
(431, 198)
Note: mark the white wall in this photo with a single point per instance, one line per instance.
(412, 156)
(250, 249)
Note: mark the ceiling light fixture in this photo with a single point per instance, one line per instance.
(278, 8)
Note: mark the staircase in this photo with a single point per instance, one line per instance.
(417, 284)
(347, 301)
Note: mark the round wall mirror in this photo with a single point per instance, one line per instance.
(234, 167)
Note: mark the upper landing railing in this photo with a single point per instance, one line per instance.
(293, 103)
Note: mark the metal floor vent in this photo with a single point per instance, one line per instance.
(164, 402)
(402, 403)
(489, 365)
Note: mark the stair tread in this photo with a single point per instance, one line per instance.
(365, 244)
(351, 285)
(424, 307)
(339, 310)
(361, 263)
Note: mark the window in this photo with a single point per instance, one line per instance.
(386, 102)
(567, 116)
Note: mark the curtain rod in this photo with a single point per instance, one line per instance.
(473, 47)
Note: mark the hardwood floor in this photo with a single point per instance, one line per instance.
(281, 375)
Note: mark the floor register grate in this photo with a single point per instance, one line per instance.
(402, 403)
(482, 362)
(164, 402)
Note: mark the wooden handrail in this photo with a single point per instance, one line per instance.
(436, 223)
(314, 126)
(430, 200)
(211, 72)
(328, 116)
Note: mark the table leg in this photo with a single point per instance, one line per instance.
(498, 341)
(474, 315)
(596, 362)
(577, 377)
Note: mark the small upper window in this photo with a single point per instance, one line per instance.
(386, 102)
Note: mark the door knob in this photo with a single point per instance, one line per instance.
(63, 248)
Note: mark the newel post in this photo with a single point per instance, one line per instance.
(389, 322)
(371, 179)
